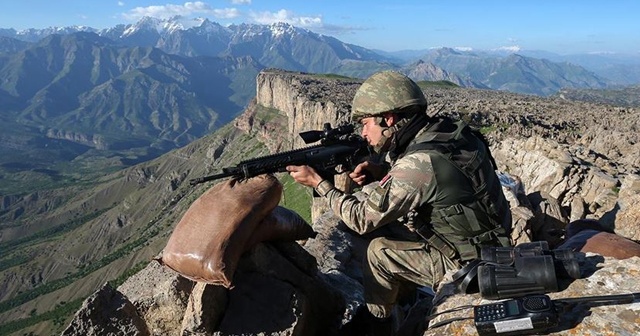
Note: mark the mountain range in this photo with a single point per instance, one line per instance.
(76, 102)
(100, 129)
(61, 244)
(281, 45)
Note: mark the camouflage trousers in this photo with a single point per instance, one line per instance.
(391, 264)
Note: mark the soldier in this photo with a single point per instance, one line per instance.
(439, 185)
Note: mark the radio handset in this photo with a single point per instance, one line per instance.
(528, 314)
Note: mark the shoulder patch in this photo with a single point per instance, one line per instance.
(379, 198)
(385, 180)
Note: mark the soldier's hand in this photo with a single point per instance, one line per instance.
(304, 175)
(366, 172)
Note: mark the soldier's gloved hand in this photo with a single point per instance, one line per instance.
(367, 172)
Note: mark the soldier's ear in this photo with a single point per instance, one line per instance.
(390, 118)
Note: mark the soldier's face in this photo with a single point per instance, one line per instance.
(371, 131)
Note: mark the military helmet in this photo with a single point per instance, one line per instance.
(385, 91)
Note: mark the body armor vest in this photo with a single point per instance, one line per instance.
(470, 210)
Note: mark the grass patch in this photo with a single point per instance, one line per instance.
(13, 261)
(124, 276)
(84, 271)
(332, 76)
(266, 114)
(64, 310)
(439, 84)
(487, 129)
(296, 197)
(59, 315)
(49, 233)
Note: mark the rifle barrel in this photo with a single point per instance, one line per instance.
(210, 178)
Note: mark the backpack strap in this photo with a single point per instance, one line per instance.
(467, 276)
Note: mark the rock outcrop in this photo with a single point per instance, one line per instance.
(96, 141)
(307, 101)
(277, 291)
(566, 170)
(583, 188)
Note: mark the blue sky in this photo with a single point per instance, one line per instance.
(553, 25)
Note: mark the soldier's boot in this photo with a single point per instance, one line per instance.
(364, 323)
(381, 326)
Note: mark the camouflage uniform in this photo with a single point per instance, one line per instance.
(407, 185)
(454, 201)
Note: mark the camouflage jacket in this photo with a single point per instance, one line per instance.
(408, 184)
(466, 211)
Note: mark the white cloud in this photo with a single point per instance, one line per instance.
(314, 23)
(120, 3)
(226, 13)
(602, 53)
(286, 16)
(241, 2)
(187, 9)
(513, 49)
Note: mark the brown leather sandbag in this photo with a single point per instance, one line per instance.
(589, 236)
(208, 241)
(281, 224)
(611, 245)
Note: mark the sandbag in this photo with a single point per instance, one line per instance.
(611, 245)
(208, 241)
(589, 236)
(281, 224)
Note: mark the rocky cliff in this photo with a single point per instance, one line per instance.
(574, 160)
(307, 101)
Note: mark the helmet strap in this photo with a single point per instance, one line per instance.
(387, 133)
(383, 142)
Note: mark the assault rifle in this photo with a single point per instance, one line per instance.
(338, 146)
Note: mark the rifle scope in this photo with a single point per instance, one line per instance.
(327, 133)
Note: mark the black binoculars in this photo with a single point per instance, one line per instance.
(526, 269)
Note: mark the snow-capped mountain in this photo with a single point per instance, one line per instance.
(276, 45)
(281, 45)
(35, 35)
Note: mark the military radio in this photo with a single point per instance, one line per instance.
(527, 314)
(532, 314)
